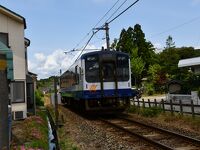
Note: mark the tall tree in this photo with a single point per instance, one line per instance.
(145, 48)
(169, 42)
(114, 44)
(125, 43)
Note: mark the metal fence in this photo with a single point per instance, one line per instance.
(170, 106)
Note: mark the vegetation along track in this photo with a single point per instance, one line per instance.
(158, 137)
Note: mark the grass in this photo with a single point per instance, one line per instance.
(65, 142)
(31, 133)
(145, 112)
(184, 121)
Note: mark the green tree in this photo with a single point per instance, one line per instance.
(170, 43)
(134, 38)
(157, 77)
(145, 48)
(114, 44)
(137, 67)
(125, 43)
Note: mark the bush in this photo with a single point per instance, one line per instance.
(133, 109)
(39, 98)
(149, 89)
(151, 112)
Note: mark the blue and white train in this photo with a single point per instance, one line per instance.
(98, 81)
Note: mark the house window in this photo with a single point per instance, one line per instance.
(4, 38)
(18, 90)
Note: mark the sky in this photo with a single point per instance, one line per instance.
(55, 27)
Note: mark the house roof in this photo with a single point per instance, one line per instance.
(31, 73)
(189, 62)
(12, 15)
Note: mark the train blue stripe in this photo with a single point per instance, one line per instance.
(97, 94)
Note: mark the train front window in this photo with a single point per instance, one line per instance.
(108, 72)
(92, 68)
(122, 68)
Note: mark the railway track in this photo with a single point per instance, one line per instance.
(155, 136)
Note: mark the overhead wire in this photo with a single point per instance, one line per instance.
(123, 12)
(96, 24)
(106, 22)
(176, 27)
(116, 10)
(84, 47)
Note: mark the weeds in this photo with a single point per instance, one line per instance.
(146, 112)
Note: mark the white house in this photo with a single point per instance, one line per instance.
(191, 63)
(12, 28)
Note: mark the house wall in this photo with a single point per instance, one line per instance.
(197, 69)
(15, 32)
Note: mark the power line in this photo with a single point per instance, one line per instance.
(96, 24)
(116, 10)
(87, 44)
(83, 48)
(107, 13)
(176, 27)
(105, 24)
(123, 12)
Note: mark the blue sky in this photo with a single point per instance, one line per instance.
(56, 26)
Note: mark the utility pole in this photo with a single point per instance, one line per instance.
(4, 133)
(107, 36)
(56, 101)
(106, 28)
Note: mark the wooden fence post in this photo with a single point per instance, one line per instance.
(171, 107)
(149, 103)
(192, 108)
(181, 107)
(138, 102)
(155, 102)
(4, 128)
(143, 104)
(163, 105)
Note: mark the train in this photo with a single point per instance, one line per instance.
(98, 81)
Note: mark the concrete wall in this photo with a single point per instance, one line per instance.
(15, 30)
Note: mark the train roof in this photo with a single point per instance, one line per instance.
(102, 52)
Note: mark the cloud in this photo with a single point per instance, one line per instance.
(49, 65)
(46, 66)
(40, 56)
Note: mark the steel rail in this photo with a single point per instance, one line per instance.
(152, 142)
(190, 139)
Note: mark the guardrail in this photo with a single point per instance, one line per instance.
(170, 106)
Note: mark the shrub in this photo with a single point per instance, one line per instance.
(39, 98)
(151, 112)
(149, 89)
(133, 109)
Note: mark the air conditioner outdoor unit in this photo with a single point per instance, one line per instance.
(18, 115)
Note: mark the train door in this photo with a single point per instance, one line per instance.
(109, 78)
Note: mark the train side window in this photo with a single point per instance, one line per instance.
(122, 67)
(76, 75)
(80, 73)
